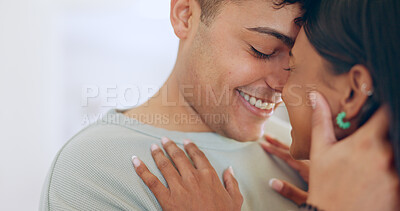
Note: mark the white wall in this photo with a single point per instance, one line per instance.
(113, 45)
(28, 112)
(51, 50)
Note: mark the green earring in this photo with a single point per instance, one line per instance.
(339, 121)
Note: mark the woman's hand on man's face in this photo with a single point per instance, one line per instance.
(284, 188)
(190, 187)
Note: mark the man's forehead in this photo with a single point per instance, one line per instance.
(269, 21)
(286, 39)
(261, 17)
(264, 11)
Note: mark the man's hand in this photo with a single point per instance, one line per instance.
(356, 173)
(286, 189)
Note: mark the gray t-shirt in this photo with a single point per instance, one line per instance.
(93, 171)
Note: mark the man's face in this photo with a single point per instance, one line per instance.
(236, 63)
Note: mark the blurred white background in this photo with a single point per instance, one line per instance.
(49, 52)
(52, 55)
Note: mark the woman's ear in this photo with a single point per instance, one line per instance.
(181, 15)
(361, 88)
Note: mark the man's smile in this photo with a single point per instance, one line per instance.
(261, 107)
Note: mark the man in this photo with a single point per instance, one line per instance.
(226, 83)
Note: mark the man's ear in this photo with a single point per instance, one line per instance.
(360, 89)
(181, 15)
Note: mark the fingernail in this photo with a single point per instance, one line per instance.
(231, 170)
(164, 140)
(267, 144)
(312, 96)
(154, 147)
(276, 184)
(186, 142)
(136, 161)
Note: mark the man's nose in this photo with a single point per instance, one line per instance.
(278, 76)
(278, 81)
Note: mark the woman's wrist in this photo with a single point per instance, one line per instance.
(313, 203)
(309, 207)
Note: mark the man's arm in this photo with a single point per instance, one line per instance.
(90, 174)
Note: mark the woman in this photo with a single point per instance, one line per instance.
(348, 51)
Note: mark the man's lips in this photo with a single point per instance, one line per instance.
(264, 112)
(258, 102)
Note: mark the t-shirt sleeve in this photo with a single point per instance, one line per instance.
(86, 176)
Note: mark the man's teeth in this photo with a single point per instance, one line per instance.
(257, 103)
(253, 100)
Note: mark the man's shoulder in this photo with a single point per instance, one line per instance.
(99, 145)
(102, 136)
(94, 171)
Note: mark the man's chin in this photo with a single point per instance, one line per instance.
(242, 131)
(242, 136)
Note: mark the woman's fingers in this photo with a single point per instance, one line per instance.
(299, 165)
(197, 156)
(275, 142)
(178, 156)
(232, 186)
(169, 172)
(159, 190)
(189, 192)
(279, 152)
(289, 191)
(322, 135)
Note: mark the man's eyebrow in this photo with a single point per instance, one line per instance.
(266, 30)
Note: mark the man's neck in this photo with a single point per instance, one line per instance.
(169, 110)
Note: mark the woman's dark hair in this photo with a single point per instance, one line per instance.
(303, 3)
(366, 32)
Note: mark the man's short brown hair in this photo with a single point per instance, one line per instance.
(210, 8)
